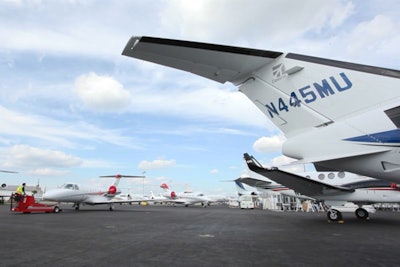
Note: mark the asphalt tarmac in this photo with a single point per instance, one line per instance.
(194, 236)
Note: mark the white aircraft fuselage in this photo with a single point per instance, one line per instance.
(86, 195)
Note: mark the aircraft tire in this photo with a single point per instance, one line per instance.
(334, 215)
(56, 209)
(362, 213)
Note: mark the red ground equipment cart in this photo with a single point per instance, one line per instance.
(27, 204)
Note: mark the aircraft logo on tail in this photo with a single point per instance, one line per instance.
(278, 70)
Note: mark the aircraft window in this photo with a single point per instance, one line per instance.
(69, 186)
(341, 174)
(394, 115)
(321, 176)
(308, 176)
(331, 175)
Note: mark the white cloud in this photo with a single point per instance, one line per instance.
(199, 102)
(101, 93)
(269, 144)
(214, 171)
(48, 172)
(57, 133)
(375, 36)
(230, 19)
(156, 164)
(28, 157)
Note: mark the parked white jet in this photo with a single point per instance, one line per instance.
(367, 191)
(78, 195)
(338, 115)
(6, 190)
(184, 198)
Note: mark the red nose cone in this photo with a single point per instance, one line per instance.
(112, 190)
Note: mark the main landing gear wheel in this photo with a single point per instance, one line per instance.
(362, 214)
(334, 215)
(56, 209)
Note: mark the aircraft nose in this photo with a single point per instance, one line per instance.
(49, 196)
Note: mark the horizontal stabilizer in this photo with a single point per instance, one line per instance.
(216, 62)
(257, 183)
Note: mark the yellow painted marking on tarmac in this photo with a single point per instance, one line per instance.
(207, 235)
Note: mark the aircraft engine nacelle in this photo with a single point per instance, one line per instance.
(173, 195)
(112, 190)
(3, 186)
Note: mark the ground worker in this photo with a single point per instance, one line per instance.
(20, 192)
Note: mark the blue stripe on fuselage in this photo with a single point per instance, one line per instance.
(392, 136)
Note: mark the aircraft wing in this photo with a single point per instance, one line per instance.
(177, 201)
(216, 62)
(102, 201)
(298, 183)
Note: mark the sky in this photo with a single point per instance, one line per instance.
(73, 108)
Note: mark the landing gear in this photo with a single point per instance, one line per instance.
(76, 206)
(57, 209)
(362, 214)
(111, 208)
(334, 215)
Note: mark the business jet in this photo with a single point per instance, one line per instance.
(6, 190)
(337, 115)
(78, 195)
(362, 192)
(185, 198)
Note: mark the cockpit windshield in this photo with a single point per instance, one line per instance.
(70, 186)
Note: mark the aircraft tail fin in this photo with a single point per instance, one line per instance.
(165, 187)
(113, 190)
(242, 190)
(171, 193)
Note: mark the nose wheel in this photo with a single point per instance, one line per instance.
(334, 215)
